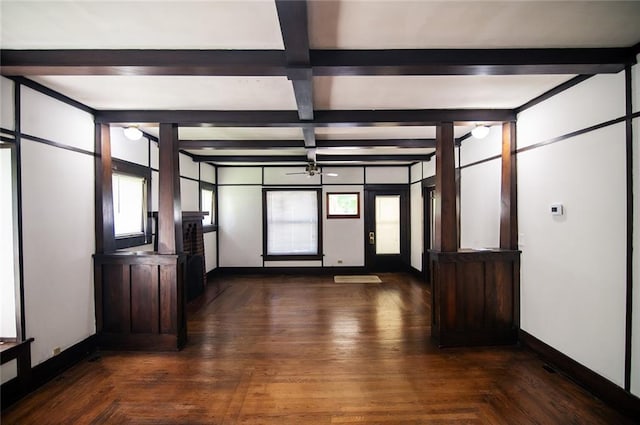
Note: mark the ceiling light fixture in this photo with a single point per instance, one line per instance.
(480, 131)
(133, 132)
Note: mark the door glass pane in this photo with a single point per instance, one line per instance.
(388, 224)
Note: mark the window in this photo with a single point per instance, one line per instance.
(130, 205)
(208, 204)
(292, 224)
(343, 205)
(11, 324)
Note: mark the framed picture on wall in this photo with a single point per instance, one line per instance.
(343, 205)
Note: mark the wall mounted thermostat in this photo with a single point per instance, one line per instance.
(557, 209)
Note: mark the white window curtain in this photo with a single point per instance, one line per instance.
(129, 207)
(207, 206)
(292, 222)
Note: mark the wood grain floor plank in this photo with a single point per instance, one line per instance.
(304, 350)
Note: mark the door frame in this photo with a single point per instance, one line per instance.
(427, 214)
(386, 262)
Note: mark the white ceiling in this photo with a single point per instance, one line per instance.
(431, 92)
(346, 24)
(175, 92)
(406, 24)
(140, 24)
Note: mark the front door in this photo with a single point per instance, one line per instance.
(387, 229)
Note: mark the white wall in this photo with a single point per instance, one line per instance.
(240, 213)
(343, 238)
(573, 276)
(240, 225)
(189, 195)
(417, 224)
(7, 276)
(210, 250)
(635, 345)
(480, 191)
(136, 151)
(596, 100)
(8, 370)
(207, 173)
(429, 168)
(280, 176)
(240, 175)
(7, 119)
(58, 226)
(45, 117)
(635, 352)
(386, 175)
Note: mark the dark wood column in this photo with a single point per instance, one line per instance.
(105, 237)
(475, 293)
(508, 191)
(169, 208)
(446, 232)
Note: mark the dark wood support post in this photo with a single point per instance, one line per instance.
(446, 232)
(140, 296)
(475, 293)
(169, 209)
(508, 191)
(105, 237)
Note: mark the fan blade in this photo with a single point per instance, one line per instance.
(291, 174)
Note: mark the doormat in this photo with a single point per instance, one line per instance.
(357, 279)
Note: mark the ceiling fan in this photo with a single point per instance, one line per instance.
(312, 169)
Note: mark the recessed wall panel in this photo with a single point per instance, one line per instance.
(58, 243)
(573, 278)
(240, 226)
(207, 173)
(45, 117)
(239, 175)
(598, 99)
(7, 115)
(343, 237)
(387, 175)
(136, 151)
(189, 195)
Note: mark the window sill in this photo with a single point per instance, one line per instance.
(131, 241)
(208, 228)
(292, 257)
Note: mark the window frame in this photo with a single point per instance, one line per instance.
(206, 228)
(135, 170)
(265, 232)
(330, 215)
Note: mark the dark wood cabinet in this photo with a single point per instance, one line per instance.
(475, 297)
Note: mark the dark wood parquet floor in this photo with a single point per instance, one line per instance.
(303, 350)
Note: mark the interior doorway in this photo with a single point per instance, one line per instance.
(429, 203)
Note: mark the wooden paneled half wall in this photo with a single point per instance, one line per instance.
(475, 297)
(140, 301)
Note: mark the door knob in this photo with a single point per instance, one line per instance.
(372, 238)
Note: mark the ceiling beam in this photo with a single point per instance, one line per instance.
(470, 61)
(250, 158)
(364, 158)
(240, 144)
(337, 118)
(321, 62)
(304, 159)
(284, 144)
(369, 143)
(295, 35)
(144, 62)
